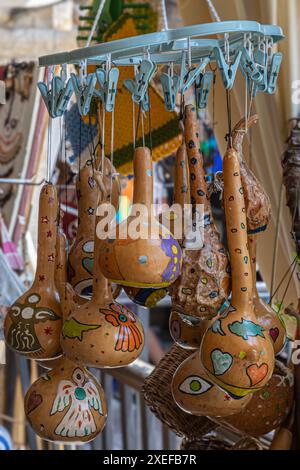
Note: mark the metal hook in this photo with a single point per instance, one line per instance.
(22, 181)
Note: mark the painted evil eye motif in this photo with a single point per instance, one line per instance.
(195, 385)
(123, 318)
(78, 376)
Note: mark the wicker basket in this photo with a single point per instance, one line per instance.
(158, 396)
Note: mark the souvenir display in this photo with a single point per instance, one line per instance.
(101, 332)
(195, 393)
(268, 408)
(66, 404)
(33, 324)
(204, 282)
(258, 211)
(152, 259)
(236, 351)
(187, 331)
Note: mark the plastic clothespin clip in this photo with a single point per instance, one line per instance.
(203, 86)
(228, 71)
(64, 91)
(170, 86)
(48, 93)
(109, 84)
(248, 66)
(84, 89)
(130, 86)
(193, 74)
(139, 86)
(273, 72)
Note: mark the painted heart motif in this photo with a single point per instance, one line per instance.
(88, 264)
(257, 373)
(274, 333)
(34, 400)
(221, 361)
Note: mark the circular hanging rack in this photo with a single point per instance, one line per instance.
(166, 46)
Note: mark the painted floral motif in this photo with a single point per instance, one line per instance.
(129, 337)
(172, 250)
(81, 396)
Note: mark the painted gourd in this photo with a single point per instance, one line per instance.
(81, 256)
(204, 282)
(196, 394)
(236, 351)
(265, 315)
(67, 404)
(258, 211)
(187, 331)
(269, 407)
(149, 297)
(148, 259)
(102, 333)
(33, 323)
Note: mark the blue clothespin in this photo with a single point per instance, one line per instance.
(84, 90)
(109, 84)
(130, 86)
(203, 87)
(170, 86)
(274, 72)
(64, 94)
(228, 71)
(188, 77)
(248, 67)
(48, 93)
(139, 86)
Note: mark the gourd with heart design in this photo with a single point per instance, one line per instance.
(33, 323)
(204, 282)
(236, 351)
(187, 331)
(141, 252)
(67, 404)
(195, 393)
(81, 256)
(258, 210)
(101, 332)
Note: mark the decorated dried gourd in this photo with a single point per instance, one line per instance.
(33, 324)
(185, 330)
(258, 211)
(81, 256)
(149, 297)
(268, 408)
(196, 394)
(102, 333)
(66, 404)
(142, 253)
(204, 282)
(236, 351)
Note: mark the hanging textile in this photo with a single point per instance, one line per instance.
(9, 248)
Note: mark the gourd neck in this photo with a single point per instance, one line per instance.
(236, 226)
(252, 241)
(182, 194)
(47, 233)
(87, 195)
(143, 178)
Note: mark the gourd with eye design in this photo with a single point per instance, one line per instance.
(33, 323)
(236, 351)
(204, 282)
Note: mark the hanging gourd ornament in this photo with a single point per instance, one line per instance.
(135, 259)
(258, 212)
(33, 323)
(102, 333)
(236, 351)
(204, 283)
(196, 394)
(187, 331)
(67, 404)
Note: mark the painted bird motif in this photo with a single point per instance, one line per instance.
(129, 336)
(82, 396)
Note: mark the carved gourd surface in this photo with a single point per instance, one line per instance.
(236, 351)
(258, 211)
(101, 332)
(204, 282)
(196, 394)
(187, 331)
(268, 408)
(33, 323)
(141, 262)
(67, 404)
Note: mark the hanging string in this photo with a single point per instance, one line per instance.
(133, 125)
(150, 127)
(138, 122)
(66, 187)
(96, 20)
(274, 262)
(228, 104)
(164, 15)
(49, 150)
(112, 140)
(291, 266)
(143, 128)
(213, 11)
(103, 141)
